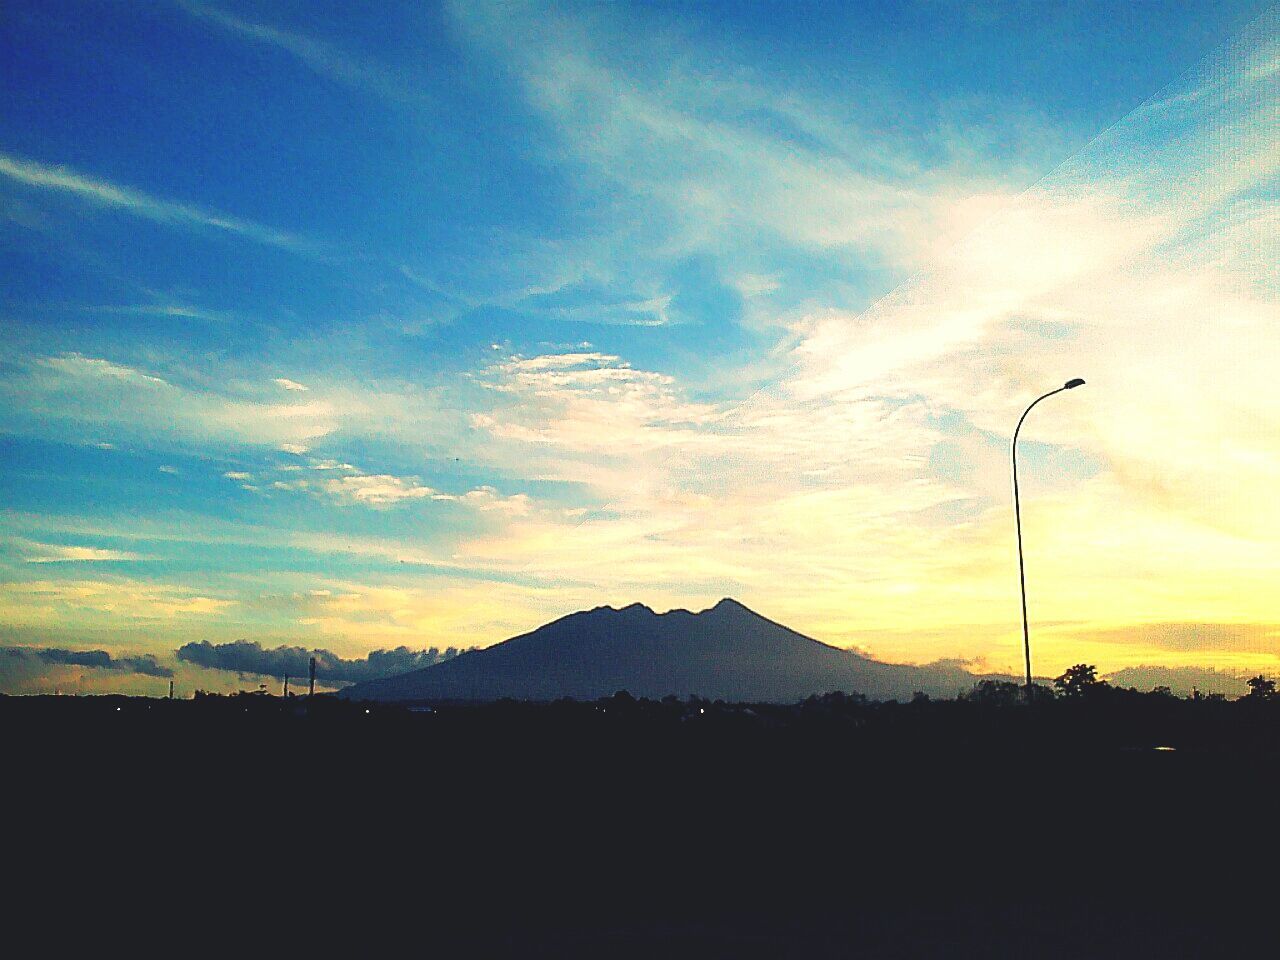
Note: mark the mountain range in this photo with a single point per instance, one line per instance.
(726, 652)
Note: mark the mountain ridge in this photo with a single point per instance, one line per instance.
(727, 651)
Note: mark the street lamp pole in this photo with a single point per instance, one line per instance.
(1017, 513)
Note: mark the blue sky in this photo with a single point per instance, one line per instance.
(425, 324)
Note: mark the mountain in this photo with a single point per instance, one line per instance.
(727, 652)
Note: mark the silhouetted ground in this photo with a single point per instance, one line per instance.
(618, 828)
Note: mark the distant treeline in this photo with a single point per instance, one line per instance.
(1078, 710)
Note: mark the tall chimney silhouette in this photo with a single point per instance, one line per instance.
(285, 692)
(311, 689)
(170, 689)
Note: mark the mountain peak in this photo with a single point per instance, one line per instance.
(607, 609)
(724, 652)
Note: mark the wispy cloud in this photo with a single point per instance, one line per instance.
(86, 394)
(175, 402)
(62, 553)
(589, 402)
(44, 603)
(323, 58)
(62, 179)
(379, 490)
(720, 160)
(1196, 637)
(346, 484)
(176, 311)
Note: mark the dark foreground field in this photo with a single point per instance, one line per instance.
(644, 829)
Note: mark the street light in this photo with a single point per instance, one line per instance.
(1017, 513)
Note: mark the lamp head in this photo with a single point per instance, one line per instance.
(1072, 384)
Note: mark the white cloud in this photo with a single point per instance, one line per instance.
(64, 180)
(61, 553)
(378, 489)
(347, 484)
(718, 158)
(590, 403)
(48, 603)
(178, 310)
(75, 365)
(71, 394)
(286, 384)
(488, 499)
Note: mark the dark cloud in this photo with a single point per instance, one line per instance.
(1180, 680)
(250, 657)
(100, 659)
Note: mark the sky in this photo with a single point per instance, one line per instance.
(361, 327)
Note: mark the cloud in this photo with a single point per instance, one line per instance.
(1197, 637)
(146, 665)
(486, 498)
(323, 58)
(62, 553)
(75, 394)
(378, 490)
(339, 482)
(589, 415)
(347, 484)
(64, 180)
(75, 365)
(1116, 266)
(286, 384)
(189, 404)
(714, 154)
(250, 657)
(177, 310)
(126, 602)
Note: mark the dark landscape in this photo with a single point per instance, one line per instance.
(1098, 822)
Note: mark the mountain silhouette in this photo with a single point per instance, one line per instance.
(726, 652)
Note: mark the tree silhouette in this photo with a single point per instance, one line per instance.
(996, 692)
(1079, 681)
(1261, 688)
